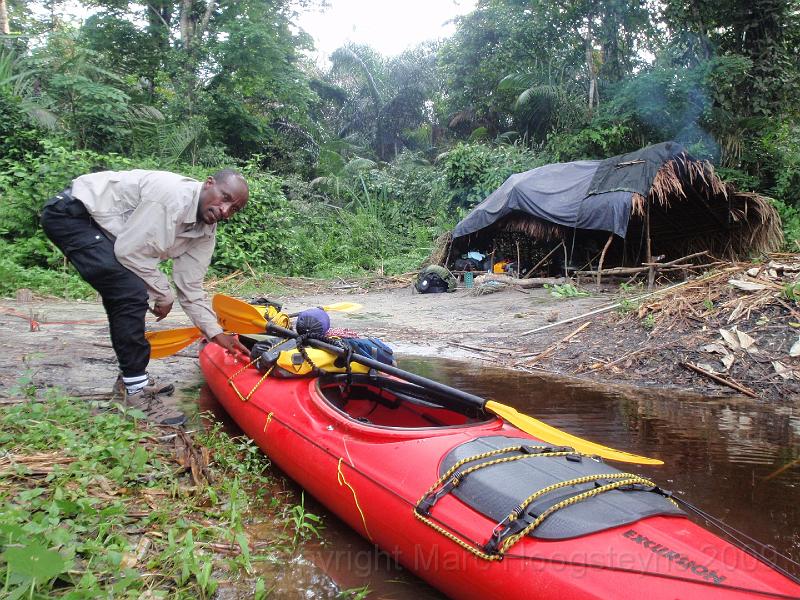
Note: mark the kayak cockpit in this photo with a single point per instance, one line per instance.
(388, 402)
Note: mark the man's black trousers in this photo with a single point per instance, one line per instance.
(69, 226)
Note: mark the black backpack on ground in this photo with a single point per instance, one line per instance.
(435, 280)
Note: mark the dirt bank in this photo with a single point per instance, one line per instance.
(71, 347)
(705, 336)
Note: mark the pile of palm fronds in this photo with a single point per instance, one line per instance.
(731, 294)
(692, 210)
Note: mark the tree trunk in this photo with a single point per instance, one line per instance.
(702, 30)
(592, 72)
(191, 30)
(590, 69)
(186, 13)
(4, 26)
(201, 29)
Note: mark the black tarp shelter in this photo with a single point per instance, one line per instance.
(657, 201)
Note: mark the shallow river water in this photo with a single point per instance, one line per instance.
(731, 457)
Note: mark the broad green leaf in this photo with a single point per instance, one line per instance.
(34, 560)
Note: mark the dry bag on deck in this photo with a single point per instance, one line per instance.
(284, 359)
(435, 280)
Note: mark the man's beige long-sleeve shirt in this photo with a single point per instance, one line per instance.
(152, 216)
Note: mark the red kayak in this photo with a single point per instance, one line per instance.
(473, 505)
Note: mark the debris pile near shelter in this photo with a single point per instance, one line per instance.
(733, 330)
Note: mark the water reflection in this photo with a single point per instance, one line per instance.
(731, 457)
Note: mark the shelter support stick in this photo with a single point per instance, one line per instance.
(603, 256)
(544, 260)
(651, 272)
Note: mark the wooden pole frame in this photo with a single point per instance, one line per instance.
(603, 257)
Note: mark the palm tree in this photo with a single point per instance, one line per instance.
(19, 81)
(384, 100)
(543, 105)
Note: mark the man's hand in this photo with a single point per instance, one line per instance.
(161, 310)
(231, 343)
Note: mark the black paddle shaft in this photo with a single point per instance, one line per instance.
(430, 384)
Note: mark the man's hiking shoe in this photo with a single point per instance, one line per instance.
(153, 387)
(159, 388)
(161, 413)
(157, 409)
(152, 402)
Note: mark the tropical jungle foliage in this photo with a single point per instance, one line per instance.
(356, 166)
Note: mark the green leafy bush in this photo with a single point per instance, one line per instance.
(473, 171)
(26, 184)
(17, 135)
(784, 145)
(371, 235)
(790, 218)
(257, 236)
(602, 138)
(42, 281)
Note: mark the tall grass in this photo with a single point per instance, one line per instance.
(372, 234)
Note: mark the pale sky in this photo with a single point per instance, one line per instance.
(388, 26)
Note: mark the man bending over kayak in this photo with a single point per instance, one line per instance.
(115, 228)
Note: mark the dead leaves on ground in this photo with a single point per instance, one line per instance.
(32, 464)
(739, 297)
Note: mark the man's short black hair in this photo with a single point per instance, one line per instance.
(227, 175)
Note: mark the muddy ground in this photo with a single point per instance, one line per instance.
(71, 348)
(682, 339)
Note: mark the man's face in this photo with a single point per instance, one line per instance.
(220, 200)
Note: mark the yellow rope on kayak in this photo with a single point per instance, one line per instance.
(513, 539)
(471, 547)
(343, 481)
(255, 387)
(266, 424)
(454, 538)
(452, 478)
(513, 516)
(488, 463)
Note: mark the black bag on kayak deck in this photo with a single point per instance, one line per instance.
(435, 280)
(371, 348)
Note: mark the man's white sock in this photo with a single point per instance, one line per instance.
(135, 384)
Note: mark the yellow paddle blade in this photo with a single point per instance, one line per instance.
(272, 315)
(551, 435)
(238, 316)
(342, 307)
(336, 307)
(169, 341)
